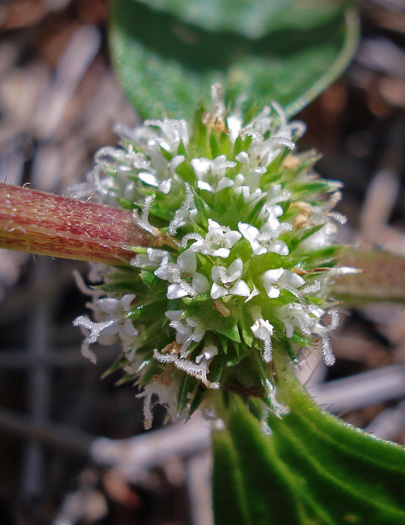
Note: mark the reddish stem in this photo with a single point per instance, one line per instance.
(45, 224)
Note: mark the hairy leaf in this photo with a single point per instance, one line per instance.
(167, 54)
(311, 469)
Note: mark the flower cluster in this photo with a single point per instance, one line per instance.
(241, 260)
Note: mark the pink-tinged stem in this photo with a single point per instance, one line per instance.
(46, 224)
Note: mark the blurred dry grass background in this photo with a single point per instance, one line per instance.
(58, 102)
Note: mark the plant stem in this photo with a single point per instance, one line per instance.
(382, 278)
(46, 224)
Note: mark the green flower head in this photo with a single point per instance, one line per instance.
(241, 258)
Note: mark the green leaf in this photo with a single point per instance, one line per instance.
(381, 278)
(227, 487)
(313, 469)
(252, 19)
(168, 53)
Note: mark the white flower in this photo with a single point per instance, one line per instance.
(121, 156)
(262, 330)
(218, 241)
(208, 352)
(104, 188)
(172, 133)
(230, 278)
(180, 189)
(271, 208)
(217, 167)
(296, 315)
(264, 241)
(188, 330)
(152, 257)
(264, 122)
(211, 173)
(110, 324)
(261, 152)
(223, 183)
(252, 197)
(274, 280)
(161, 171)
(307, 318)
(171, 272)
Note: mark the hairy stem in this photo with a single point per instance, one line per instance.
(45, 224)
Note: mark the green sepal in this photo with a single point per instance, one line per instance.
(198, 397)
(201, 208)
(153, 369)
(318, 186)
(217, 367)
(245, 330)
(145, 312)
(149, 279)
(126, 204)
(214, 146)
(324, 256)
(118, 364)
(187, 385)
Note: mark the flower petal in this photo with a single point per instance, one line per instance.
(218, 291)
(240, 288)
(187, 261)
(200, 283)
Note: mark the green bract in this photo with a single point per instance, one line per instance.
(241, 259)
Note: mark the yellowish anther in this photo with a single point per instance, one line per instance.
(172, 348)
(215, 119)
(164, 239)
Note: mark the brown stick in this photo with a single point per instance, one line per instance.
(45, 224)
